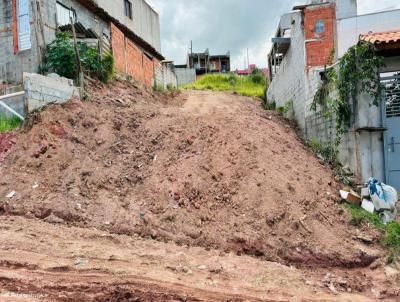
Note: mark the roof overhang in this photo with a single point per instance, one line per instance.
(383, 41)
(281, 44)
(95, 8)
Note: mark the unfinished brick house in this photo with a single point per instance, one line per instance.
(128, 28)
(312, 39)
(205, 63)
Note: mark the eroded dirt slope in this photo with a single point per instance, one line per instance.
(112, 191)
(204, 169)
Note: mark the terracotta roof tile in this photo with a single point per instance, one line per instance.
(381, 38)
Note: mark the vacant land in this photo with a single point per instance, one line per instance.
(203, 196)
(253, 86)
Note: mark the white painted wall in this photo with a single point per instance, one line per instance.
(346, 8)
(350, 29)
(145, 22)
(289, 82)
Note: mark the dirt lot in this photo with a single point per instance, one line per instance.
(203, 196)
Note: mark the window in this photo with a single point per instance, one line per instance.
(319, 27)
(64, 14)
(128, 9)
(24, 27)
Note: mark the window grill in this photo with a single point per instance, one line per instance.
(391, 84)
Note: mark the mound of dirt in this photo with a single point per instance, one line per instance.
(7, 141)
(202, 169)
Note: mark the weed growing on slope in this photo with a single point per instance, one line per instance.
(391, 237)
(9, 123)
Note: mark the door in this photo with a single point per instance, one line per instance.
(391, 83)
(24, 26)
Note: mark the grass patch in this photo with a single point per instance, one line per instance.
(9, 123)
(247, 86)
(391, 231)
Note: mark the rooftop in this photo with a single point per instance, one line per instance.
(381, 38)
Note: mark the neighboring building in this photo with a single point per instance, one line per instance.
(129, 28)
(206, 63)
(250, 69)
(315, 36)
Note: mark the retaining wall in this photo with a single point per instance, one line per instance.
(185, 75)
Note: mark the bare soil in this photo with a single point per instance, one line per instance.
(203, 196)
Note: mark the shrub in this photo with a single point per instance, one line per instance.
(61, 59)
(258, 77)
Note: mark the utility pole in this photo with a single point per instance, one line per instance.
(248, 62)
(78, 59)
(191, 54)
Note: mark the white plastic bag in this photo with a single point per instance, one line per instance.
(390, 194)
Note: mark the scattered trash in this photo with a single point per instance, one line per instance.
(350, 196)
(365, 192)
(390, 194)
(11, 194)
(375, 197)
(365, 239)
(368, 205)
(81, 262)
(35, 185)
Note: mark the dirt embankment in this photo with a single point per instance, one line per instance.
(206, 171)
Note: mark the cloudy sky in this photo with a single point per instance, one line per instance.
(234, 25)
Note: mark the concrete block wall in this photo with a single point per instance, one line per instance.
(43, 90)
(185, 75)
(165, 75)
(289, 82)
(13, 65)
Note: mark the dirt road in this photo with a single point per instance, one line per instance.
(198, 197)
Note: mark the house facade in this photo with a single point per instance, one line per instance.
(310, 40)
(128, 28)
(205, 63)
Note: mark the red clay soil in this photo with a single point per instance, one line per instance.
(203, 169)
(7, 141)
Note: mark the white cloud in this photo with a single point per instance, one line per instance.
(230, 25)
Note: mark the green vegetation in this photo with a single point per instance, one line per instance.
(253, 85)
(61, 59)
(391, 231)
(357, 74)
(330, 155)
(9, 123)
(287, 109)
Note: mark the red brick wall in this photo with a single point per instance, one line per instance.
(118, 48)
(134, 61)
(148, 70)
(130, 59)
(318, 52)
